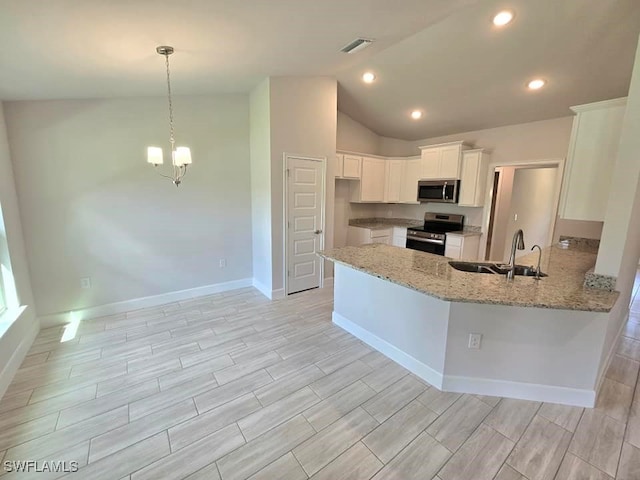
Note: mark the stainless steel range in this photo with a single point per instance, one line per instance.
(431, 236)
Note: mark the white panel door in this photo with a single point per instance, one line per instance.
(305, 187)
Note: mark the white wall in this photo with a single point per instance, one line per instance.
(303, 122)
(16, 338)
(620, 244)
(355, 137)
(260, 146)
(533, 201)
(92, 207)
(526, 141)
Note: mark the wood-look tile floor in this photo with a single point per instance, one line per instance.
(234, 386)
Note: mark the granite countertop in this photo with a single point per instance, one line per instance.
(380, 223)
(465, 233)
(432, 275)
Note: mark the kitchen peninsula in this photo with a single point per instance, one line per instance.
(543, 340)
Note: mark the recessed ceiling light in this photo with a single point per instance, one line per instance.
(368, 77)
(536, 84)
(416, 114)
(502, 18)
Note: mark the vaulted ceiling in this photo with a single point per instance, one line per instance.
(444, 57)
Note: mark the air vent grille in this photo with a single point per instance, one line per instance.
(356, 45)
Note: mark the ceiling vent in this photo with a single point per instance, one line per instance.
(357, 45)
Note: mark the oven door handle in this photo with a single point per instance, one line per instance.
(425, 240)
(444, 190)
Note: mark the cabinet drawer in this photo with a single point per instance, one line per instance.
(385, 232)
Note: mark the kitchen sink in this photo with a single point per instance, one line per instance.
(472, 267)
(495, 268)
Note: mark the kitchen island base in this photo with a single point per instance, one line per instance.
(540, 354)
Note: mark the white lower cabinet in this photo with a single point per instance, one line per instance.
(399, 238)
(359, 236)
(462, 247)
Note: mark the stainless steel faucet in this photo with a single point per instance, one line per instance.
(518, 242)
(539, 259)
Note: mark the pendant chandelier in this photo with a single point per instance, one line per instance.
(180, 156)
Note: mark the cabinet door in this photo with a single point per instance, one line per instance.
(339, 165)
(393, 180)
(450, 161)
(430, 163)
(469, 179)
(453, 252)
(470, 247)
(592, 153)
(412, 173)
(372, 180)
(399, 242)
(351, 168)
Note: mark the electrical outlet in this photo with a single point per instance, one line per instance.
(515, 217)
(85, 282)
(474, 340)
(223, 262)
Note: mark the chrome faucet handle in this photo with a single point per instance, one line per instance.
(539, 260)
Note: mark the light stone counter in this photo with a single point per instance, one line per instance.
(432, 275)
(465, 233)
(381, 223)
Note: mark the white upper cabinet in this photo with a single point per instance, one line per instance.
(411, 176)
(442, 161)
(339, 165)
(430, 163)
(592, 154)
(371, 187)
(473, 178)
(351, 166)
(347, 166)
(394, 174)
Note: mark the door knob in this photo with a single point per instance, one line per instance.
(318, 232)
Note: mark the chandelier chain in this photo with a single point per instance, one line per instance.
(171, 135)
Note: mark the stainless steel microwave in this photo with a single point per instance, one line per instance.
(440, 191)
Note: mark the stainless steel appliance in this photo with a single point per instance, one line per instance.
(431, 236)
(441, 191)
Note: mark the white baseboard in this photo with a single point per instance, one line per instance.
(520, 390)
(481, 386)
(416, 367)
(11, 367)
(267, 292)
(262, 288)
(144, 302)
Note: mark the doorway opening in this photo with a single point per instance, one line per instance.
(524, 196)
